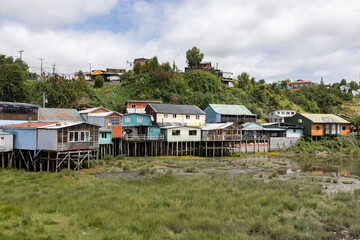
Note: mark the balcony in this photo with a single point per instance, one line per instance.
(143, 138)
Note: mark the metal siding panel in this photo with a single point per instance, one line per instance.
(23, 138)
(47, 139)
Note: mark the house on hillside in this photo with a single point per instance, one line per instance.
(292, 130)
(105, 118)
(299, 84)
(189, 115)
(140, 60)
(280, 115)
(318, 125)
(227, 79)
(138, 126)
(59, 114)
(221, 132)
(223, 113)
(138, 106)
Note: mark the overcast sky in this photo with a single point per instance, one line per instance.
(269, 39)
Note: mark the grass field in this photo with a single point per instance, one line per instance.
(71, 205)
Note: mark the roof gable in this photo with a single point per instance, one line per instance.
(324, 118)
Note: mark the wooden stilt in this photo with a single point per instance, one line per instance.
(48, 162)
(206, 149)
(2, 160)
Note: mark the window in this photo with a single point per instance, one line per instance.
(187, 116)
(306, 84)
(79, 136)
(317, 128)
(82, 136)
(174, 115)
(192, 132)
(299, 120)
(150, 129)
(176, 132)
(296, 85)
(2, 141)
(197, 117)
(327, 129)
(166, 115)
(71, 136)
(133, 106)
(344, 128)
(114, 121)
(140, 119)
(144, 105)
(294, 130)
(104, 135)
(127, 119)
(76, 136)
(287, 113)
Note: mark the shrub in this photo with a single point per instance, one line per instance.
(99, 82)
(126, 167)
(144, 170)
(108, 158)
(120, 156)
(119, 163)
(153, 170)
(191, 170)
(169, 171)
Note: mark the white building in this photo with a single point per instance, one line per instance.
(280, 115)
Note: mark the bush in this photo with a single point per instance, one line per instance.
(191, 170)
(120, 156)
(144, 170)
(169, 171)
(126, 167)
(118, 164)
(108, 158)
(153, 170)
(99, 82)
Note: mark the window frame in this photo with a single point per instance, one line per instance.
(177, 132)
(110, 123)
(192, 131)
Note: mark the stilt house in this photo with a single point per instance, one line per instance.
(222, 113)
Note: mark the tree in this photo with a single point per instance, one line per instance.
(354, 85)
(81, 76)
(194, 57)
(355, 122)
(12, 88)
(343, 82)
(137, 68)
(99, 81)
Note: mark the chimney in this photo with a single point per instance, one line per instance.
(29, 123)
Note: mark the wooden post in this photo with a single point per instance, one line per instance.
(206, 149)
(89, 159)
(177, 148)
(48, 162)
(214, 149)
(2, 160)
(135, 150)
(246, 146)
(128, 149)
(78, 167)
(222, 148)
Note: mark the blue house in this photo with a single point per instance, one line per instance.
(292, 130)
(138, 126)
(255, 130)
(222, 113)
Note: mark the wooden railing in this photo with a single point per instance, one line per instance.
(143, 137)
(223, 137)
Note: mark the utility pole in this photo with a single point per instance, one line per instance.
(21, 51)
(90, 68)
(41, 71)
(44, 99)
(54, 69)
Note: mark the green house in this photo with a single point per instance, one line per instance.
(104, 136)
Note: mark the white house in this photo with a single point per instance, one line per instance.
(280, 115)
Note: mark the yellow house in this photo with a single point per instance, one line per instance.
(189, 115)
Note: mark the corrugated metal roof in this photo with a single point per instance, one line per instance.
(225, 109)
(59, 114)
(89, 110)
(143, 101)
(14, 104)
(182, 126)
(176, 109)
(10, 122)
(32, 125)
(252, 126)
(104, 130)
(214, 126)
(64, 124)
(324, 118)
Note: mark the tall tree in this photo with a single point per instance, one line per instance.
(12, 77)
(343, 82)
(194, 57)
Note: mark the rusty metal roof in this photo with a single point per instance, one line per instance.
(59, 114)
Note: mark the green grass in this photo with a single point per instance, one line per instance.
(71, 205)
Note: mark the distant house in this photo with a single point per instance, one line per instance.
(59, 114)
(138, 106)
(180, 133)
(54, 136)
(110, 75)
(18, 111)
(227, 79)
(205, 66)
(221, 132)
(280, 115)
(104, 118)
(320, 124)
(299, 84)
(347, 89)
(292, 130)
(189, 115)
(137, 126)
(140, 60)
(223, 113)
(256, 131)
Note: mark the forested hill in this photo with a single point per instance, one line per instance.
(162, 83)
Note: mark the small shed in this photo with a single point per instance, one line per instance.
(181, 133)
(221, 132)
(104, 136)
(6, 141)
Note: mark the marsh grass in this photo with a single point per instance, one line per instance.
(76, 206)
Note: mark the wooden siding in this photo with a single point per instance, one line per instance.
(47, 139)
(24, 139)
(347, 130)
(184, 134)
(315, 132)
(181, 118)
(117, 129)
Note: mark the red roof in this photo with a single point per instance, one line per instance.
(32, 125)
(301, 81)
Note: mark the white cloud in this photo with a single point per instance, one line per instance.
(269, 39)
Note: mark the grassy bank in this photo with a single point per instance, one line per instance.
(72, 205)
(349, 144)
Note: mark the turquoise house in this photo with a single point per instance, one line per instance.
(139, 126)
(104, 136)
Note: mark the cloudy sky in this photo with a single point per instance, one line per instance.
(269, 39)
